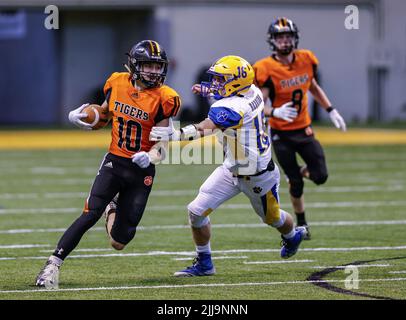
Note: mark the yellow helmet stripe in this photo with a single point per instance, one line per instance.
(158, 49)
(152, 48)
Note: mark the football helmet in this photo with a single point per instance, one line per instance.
(229, 75)
(281, 26)
(147, 51)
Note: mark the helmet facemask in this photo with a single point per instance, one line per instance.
(229, 76)
(141, 71)
(284, 42)
(280, 32)
(216, 86)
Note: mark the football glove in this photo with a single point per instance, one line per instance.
(337, 119)
(168, 133)
(142, 159)
(285, 112)
(76, 115)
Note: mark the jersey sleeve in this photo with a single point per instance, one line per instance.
(170, 102)
(109, 85)
(261, 74)
(224, 117)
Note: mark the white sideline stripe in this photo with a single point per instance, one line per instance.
(219, 226)
(23, 246)
(213, 285)
(277, 261)
(344, 204)
(215, 258)
(164, 193)
(396, 272)
(193, 253)
(352, 265)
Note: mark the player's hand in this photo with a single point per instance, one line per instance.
(76, 115)
(337, 119)
(285, 112)
(164, 133)
(142, 159)
(199, 89)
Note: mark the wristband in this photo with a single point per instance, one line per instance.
(273, 109)
(189, 132)
(329, 109)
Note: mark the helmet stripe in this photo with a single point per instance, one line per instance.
(158, 49)
(152, 47)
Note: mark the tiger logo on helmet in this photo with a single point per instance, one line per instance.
(229, 76)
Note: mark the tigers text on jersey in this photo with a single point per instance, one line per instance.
(288, 83)
(246, 144)
(135, 112)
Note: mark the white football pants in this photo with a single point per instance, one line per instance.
(220, 186)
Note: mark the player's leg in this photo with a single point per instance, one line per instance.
(104, 187)
(218, 188)
(313, 155)
(286, 155)
(127, 208)
(110, 216)
(314, 170)
(263, 192)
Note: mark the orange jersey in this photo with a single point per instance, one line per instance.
(135, 112)
(288, 83)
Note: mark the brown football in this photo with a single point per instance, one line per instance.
(94, 111)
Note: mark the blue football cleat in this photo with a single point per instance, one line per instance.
(290, 246)
(202, 266)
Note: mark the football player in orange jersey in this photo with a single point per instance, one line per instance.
(136, 101)
(285, 77)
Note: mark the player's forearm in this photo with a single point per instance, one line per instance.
(320, 96)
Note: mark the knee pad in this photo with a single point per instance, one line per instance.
(197, 221)
(319, 178)
(296, 188)
(281, 221)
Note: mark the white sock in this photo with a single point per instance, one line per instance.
(204, 249)
(56, 260)
(290, 235)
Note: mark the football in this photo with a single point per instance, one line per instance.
(95, 116)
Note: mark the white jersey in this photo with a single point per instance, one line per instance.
(247, 146)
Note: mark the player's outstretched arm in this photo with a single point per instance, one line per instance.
(190, 132)
(321, 97)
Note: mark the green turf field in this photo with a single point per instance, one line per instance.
(358, 216)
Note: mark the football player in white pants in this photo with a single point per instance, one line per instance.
(248, 167)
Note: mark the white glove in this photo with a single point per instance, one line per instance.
(337, 119)
(76, 115)
(142, 159)
(285, 112)
(164, 133)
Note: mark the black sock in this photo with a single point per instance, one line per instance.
(301, 219)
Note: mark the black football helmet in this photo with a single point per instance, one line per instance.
(147, 51)
(282, 25)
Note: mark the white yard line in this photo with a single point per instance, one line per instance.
(192, 253)
(397, 272)
(348, 223)
(188, 192)
(355, 265)
(343, 204)
(215, 258)
(23, 246)
(278, 261)
(212, 285)
(167, 193)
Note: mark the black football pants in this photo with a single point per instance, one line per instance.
(286, 145)
(116, 175)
